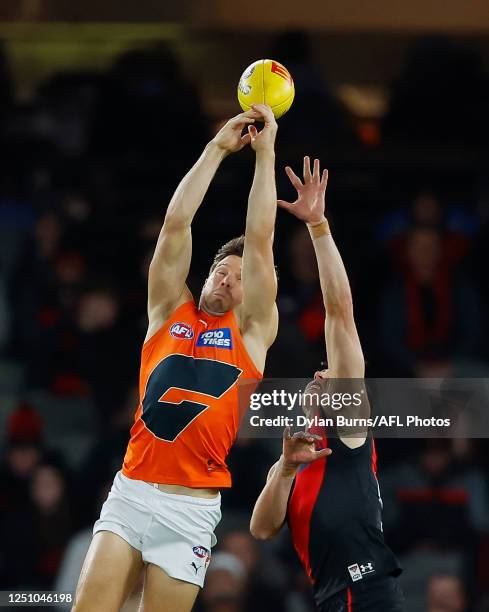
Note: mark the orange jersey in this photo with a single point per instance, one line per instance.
(189, 413)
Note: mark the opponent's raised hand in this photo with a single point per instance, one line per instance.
(310, 203)
(230, 138)
(263, 140)
(300, 448)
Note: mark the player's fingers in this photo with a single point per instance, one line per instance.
(307, 169)
(315, 174)
(324, 452)
(284, 204)
(317, 455)
(294, 179)
(245, 140)
(313, 436)
(265, 111)
(300, 437)
(241, 120)
(250, 113)
(246, 120)
(266, 115)
(306, 436)
(252, 131)
(324, 179)
(286, 433)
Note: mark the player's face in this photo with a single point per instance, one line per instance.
(222, 290)
(315, 388)
(321, 375)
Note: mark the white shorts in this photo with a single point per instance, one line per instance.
(174, 532)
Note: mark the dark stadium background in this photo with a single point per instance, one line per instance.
(98, 123)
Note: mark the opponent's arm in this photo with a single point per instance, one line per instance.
(259, 318)
(170, 265)
(271, 506)
(345, 357)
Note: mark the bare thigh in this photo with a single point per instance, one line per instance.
(110, 572)
(165, 594)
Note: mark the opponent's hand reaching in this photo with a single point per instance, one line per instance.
(263, 140)
(298, 449)
(230, 138)
(310, 203)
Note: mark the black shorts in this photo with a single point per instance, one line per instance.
(381, 594)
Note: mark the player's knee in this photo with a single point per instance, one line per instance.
(85, 603)
(94, 595)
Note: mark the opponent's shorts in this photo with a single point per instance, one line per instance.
(380, 594)
(174, 532)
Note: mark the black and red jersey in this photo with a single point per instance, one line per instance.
(335, 518)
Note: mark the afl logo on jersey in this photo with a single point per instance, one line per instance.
(183, 331)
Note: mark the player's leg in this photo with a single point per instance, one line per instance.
(110, 572)
(165, 594)
(177, 549)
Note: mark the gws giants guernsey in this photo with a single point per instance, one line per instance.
(189, 413)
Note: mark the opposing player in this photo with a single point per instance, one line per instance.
(164, 505)
(325, 486)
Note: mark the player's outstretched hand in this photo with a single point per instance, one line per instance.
(310, 203)
(299, 448)
(230, 138)
(263, 140)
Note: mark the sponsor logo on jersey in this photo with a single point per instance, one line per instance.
(201, 551)
(367, 568)
(183, 331)
(220, 338)
(355, 572)
(281, 71)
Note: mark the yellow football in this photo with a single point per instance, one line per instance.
(266, 82)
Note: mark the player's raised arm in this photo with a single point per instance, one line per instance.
(345, 357)
(259, 318)
(271, 507)
(171, 260)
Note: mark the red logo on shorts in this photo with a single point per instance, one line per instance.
(183, 331)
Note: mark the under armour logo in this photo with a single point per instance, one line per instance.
(367, 568)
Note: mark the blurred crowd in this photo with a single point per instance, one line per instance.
(89, 165)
